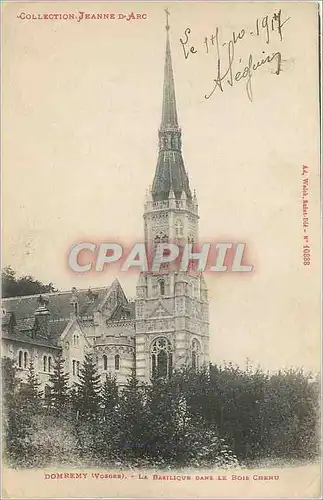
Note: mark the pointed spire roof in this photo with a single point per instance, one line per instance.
(169, 112)
(170, 171)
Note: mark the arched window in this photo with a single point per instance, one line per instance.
(161, 358)
(117, 362)
(161, 284)
(195, 355)
(45, 363)
(78, 367)
(20, 359)
(74, 364)
(105, 362)
(25, 359)
(49, 364)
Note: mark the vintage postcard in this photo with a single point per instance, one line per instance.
(161, 270)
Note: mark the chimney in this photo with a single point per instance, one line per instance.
(42, 316)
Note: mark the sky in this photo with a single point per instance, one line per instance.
(81, 111)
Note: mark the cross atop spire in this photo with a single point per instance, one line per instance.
(167, 15)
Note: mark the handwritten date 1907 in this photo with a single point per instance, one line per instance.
(226, 60)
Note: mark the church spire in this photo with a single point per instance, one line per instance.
(169, 112)
(170, 171)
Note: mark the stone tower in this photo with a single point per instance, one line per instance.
(172, 328)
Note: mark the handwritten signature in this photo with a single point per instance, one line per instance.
(226, 59)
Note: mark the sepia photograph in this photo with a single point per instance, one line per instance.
(161, 251)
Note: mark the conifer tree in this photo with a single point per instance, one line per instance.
(9, 379)
(31, 395)
(59, 386)
(88, 389)
(107, 439)
(132, 411)
(109, 394)
(14, 425)
(23, 403)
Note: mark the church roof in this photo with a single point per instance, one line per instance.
(59, 303)
(170, 174)
(170, 171)
(123, 312)
(21, 336)
(19, 319)
(169, 111)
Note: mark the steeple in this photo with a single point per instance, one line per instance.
(170, 171)
(169, 340)
(169, 112)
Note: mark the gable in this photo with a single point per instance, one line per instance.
(72, 329)
(159, 311)
(114, 302)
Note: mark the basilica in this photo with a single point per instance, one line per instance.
(166, 327)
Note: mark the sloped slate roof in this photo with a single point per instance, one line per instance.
(23, 309)
(59, 303)
(21, 336)
(57, 328)
(25, 323)
(7, 318)
(170, 174)
(123, 312)
(169, 111)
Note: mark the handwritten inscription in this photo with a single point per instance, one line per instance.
(230, 68)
